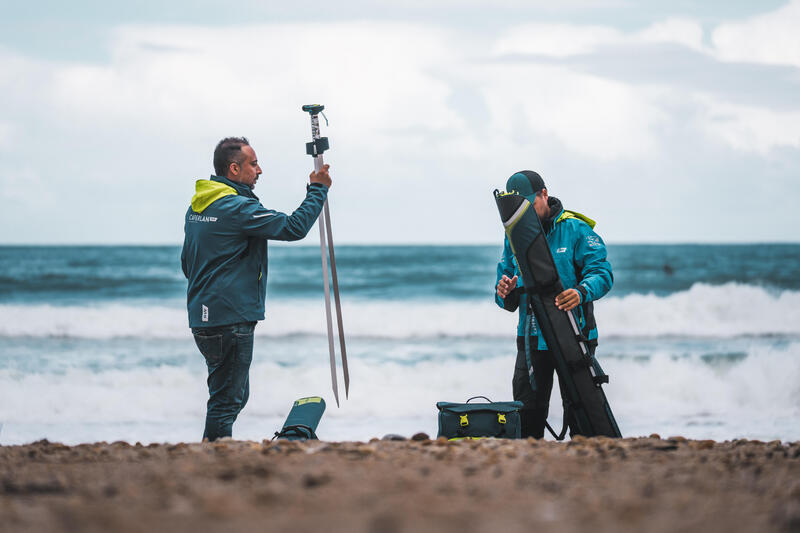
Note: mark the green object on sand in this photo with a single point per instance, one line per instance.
(479, 420)
(301, 424)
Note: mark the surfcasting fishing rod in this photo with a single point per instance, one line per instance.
(315, 148)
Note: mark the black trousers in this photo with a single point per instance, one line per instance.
(535, 405)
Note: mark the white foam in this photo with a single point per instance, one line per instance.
(704, 310)
(757, 397)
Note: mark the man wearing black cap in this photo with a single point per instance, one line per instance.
(580, 257)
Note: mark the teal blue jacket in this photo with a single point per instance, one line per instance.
(580, 257)
(224, 253)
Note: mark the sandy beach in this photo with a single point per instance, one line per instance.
(636, 484)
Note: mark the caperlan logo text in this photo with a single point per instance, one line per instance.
(201, 218)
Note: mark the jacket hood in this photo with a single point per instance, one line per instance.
(574, 214)
(206, 192)
(559, 214)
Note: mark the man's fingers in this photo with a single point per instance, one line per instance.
(567, 300)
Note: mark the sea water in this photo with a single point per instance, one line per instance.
(699, 340)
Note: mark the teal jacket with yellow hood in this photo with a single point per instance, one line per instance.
(224, 253)
(579, 254)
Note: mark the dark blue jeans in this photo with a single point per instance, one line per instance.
(228, 351)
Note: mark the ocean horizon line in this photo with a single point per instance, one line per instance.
(390, 244)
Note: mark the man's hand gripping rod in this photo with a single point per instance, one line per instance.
(315, 149)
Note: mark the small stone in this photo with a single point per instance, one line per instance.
(420, 436)
(394, 436)
(655, 436)
(311, 481)
(470, 470)
(227, 475)
(665, 446)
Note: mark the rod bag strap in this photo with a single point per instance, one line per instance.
(564, 424)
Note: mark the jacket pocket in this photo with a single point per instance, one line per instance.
(211, 348)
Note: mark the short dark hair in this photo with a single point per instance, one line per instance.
(228, 150)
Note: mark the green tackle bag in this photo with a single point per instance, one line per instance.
(477, 420)
(303, 419)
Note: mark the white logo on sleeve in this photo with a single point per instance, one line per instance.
(205, 313)
(561, 250)
(593, 241)
(264, 215)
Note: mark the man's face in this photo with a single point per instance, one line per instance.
(248, 171)
(540, 205)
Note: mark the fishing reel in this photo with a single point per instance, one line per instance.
(319, 144)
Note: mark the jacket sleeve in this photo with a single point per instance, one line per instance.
(507, 266)
(258, 221)
(595, 277)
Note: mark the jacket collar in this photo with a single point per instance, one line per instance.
(555, 212)
(240, 188)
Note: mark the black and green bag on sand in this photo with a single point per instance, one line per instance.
(477, 420)
(301, 424)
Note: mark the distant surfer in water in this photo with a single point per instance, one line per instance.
(580, 257)
(224, 258)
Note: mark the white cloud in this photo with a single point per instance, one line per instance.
(591, 116)
(603, 118)
(185, 78)
(771, 38)
(684, 32)
(564, 40)
(5, 134)
(555, 40)
(750, 129)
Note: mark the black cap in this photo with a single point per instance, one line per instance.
(525, 182)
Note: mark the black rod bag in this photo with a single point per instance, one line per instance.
(588, 412)
(301, 424)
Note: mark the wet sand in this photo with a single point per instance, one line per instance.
(599, 484)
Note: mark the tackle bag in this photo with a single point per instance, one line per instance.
(476, 420)
(303, 419)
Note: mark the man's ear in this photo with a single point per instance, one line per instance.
(233, 169)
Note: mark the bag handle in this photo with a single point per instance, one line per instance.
(484, 397)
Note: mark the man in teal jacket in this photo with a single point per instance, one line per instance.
(224, 258)
(580, 257)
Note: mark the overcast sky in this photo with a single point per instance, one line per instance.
(664, 121)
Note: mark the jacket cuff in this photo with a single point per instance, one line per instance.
(583, 292)
(309, 185)
(511, 301)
